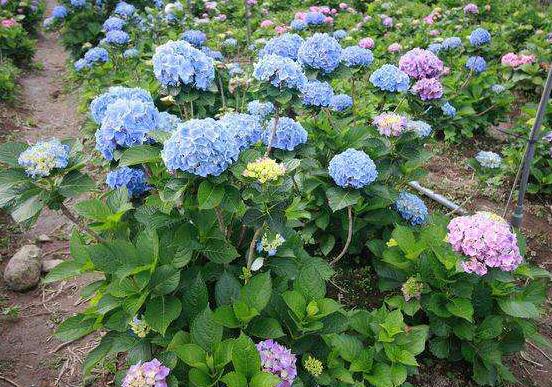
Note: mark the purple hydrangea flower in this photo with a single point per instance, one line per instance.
(420, 63)
(428, 89)
(148, 374)
(390, 124)
(278, 360)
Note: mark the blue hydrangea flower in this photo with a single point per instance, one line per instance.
(59, 12)
(316, 93)
(355, 56)
(48, 22)
(126, 123)
(422, 128)
(131, 53)
(195, 37)
(314, 18)
(340, 34)
(78, 3)
(96, 55)
(99, 105)
(435, 47)
(489, 160)
(133, 179)
(479, 37)
(230, 42)
(260, 109)
(201, 147)
(352, 169)
(298, 25)
(245, 128)
(168, 122)
(113, 23)
(390, 78)
(452, 43)
(124, 9)
(80, 64)
(497, 89)
(40, 159)
(289, 134)
(320, 52)
(341, 102)
(411, 208)
(176, 63)
(286, 45)
(280, 72)
(476, 64)
(117, 37)
(448, 109)
(234, 69)
(213, 54)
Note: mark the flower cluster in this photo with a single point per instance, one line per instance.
(168, 122)
(298, 25)
(514, 60)
(471, 8)
(341, 102)
(314, 18)
(148, 374)
(489, 160)
(244, 128)
(486, 241)
(419, 63)
(125, 123)
(479, 37)
(260, 109)
(139, 327)
(195, 37)
(280, 72)
(288, 135)
(320, 52)
(448, 109)
(286, 45)
(476, 64)
(59, 12)
(93, 56)
(264, 169)
(412, 288)
(313, 366)
(176, 63)
(428, 89)
(390, 78)
(270, 245)
(124, 9)
(421, 128)
(117, 37)
(390, 124)
(39, 159)
(113, 23)
(340, 34)
(367, 43)
(278, 360)
(316, 93)
(201, 147)
(99, 105)
(78, 3)
(451, 43)
(133, 179)
(352, 168)
(411, 208)
(355, 56)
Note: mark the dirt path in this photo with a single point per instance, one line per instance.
(29, 354)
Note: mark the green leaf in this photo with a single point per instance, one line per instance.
(440, 347)
(225, 316)
(205, 330)
(339, 198)
(10, 151)
(219, 251)
(234, 379)
(380, 376)
(209, 195)
(392, 325)
(93, 209)
(265, 328)
(364, 361)
(76, 183)
(264, 379)
(490, 328)
(140, 154)
(245, 357)
(461, 307)
(164, 280)
(195, 297)
(199, 378)
(161, 311)
(64, 270)
(227, 289)
(75, 327)
(310, 283)
(191, 354)
(27, 209)
(347, 346)
(296, 302)
(399, 355)
(517, 308)
(256, 293)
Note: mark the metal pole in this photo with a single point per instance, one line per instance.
(438, 198)
(534, 137)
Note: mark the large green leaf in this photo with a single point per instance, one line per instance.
(461, 307)
(161, 311)
(245, 357)
(76, 183)
(220, 251)
(195, 297)
(518, 308)
(9, 153)
(209, 195)
(257, 292)
(140, 154)
(205, 330)
(339, 198)
(75, 327)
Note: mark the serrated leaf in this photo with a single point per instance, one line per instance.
(161, 311)
(140, 154)
(209, 195)
(205, 331)
(339, 198)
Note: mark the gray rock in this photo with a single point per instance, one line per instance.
(23, 270)
(44, 238)
(49, 264)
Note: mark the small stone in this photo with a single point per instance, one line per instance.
(49, 264)
(23, 270)
(44, 238)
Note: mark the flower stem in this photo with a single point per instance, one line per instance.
(349, 237)
(251, 251)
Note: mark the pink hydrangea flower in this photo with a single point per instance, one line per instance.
(394, 47)
(334, 11)
(366, 43)
(343, 5)
(300, 15)
(267, 23)
(434, 32)
(387, 21)
(471, 8)
(251, 2)
(281, 29)
(210, 5)
(428, 89)
(513, 60)
(420, 63)
(328, 20)
(429, 19)
(148, 374)
(221, 17)
(7, 23)
(486, 240)
(390, 124)
(278, 360)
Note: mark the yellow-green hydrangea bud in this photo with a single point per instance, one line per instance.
(264, 169)
(314, 366)
(392, 243)
(412, 288)
(139, 327)
(312, 309)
